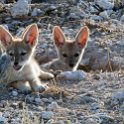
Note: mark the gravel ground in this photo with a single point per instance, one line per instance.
(98, 98)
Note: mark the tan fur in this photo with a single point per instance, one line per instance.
(70, 52)
(24, 69)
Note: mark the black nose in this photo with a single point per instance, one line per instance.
(71, 64)
(16, 63)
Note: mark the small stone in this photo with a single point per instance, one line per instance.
(37, 100)
(84, 99)
(73, 16)
(72, 76)
(45, 100)
(105, 4)
(103, 118)
(30, 99)
(96, 17)
(104, 15)
(118, 96)
(34, 12)
(122, 18)
(14, 105)
(6, 114)
(14, 93)
(52, 106)
(3, 120)
(21, 8)
(91, 121)
(47, 115)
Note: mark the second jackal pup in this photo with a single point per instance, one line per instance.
(70, 52)
(23, 66)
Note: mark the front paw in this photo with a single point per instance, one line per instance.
(46, 76)
(40, 88)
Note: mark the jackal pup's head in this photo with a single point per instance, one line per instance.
(71, 51)
(20, 49)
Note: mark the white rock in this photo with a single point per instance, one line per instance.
(105, 4)
(14, 93)
(72, 75)
(47, 115)
(21, 8)
(104, 15)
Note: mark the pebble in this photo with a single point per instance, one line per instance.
(105, 4)
(3, 120)
(118, 96)
(104, 15)
(34, 12)
(45, 100)
(47, 115)
(52, 106)
(37, 100)
(72, 75)
(85, 99)
(21, 8)
(73, 16)
(96, 17)
(6, 114)
(103, 118)
(14, 93)
(122, 18)
(91, 121)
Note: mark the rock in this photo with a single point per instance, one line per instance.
(37, 12)
(3, 1)
(21, 8)
(19, 32)
(104, 15)
(37, 100)
(3, 120)
(96, 17)
(85, 99)
(103, 118)
(71, 76)
(6, 114)
(52, 106)
(105, 4)
(15, 120)
(14, 93)
(118, 96)
(122, 18)
(95, 107)
(73, 16)
(47, 115)
(91, 121)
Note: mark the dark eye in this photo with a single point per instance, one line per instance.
(11, 54)
(76, 54)
(23, 53)
(64, 55)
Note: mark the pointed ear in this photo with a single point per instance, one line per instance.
(58, 36)
(5, 36)
(82, 36)
(30, 35)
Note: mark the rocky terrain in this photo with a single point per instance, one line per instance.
(97, 95)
